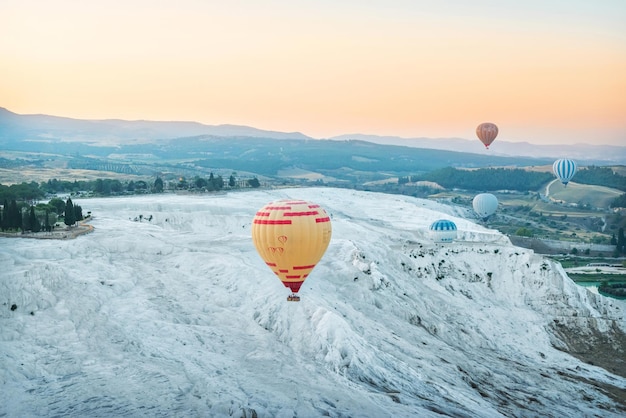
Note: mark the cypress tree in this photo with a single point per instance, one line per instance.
(5, 215)
(78, 213)
(33, 221)
(158, 185)
(15, 217)
(621, 242)
(70, 217)
(6, 218)
(26, 220)
(47, 222)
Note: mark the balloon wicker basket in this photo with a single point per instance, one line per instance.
(293, 298)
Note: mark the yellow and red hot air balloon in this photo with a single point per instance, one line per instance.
(291, 236)
(487, 132)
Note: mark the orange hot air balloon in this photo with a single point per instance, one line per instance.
(291, 236)
(487, 132)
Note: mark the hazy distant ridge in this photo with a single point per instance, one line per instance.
(15, 128)
(609, 153)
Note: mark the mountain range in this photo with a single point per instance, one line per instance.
(602, 154)
(18, 130)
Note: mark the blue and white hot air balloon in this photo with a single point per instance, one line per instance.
(485, 205)
(443, 230)
(564, 169)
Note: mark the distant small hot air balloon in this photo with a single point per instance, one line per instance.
(443, 230)
(564, 170)
(485, 205)
(291, 236)
(487, 132)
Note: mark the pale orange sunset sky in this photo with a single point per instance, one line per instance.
(547, 72)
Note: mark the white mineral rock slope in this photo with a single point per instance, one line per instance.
(179, 316)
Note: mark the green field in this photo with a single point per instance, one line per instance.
(583, 194)
(572, 261)
(599, 277)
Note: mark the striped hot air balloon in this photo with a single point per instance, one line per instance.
(443, 230)
(291, 236)
(487, 133)
(485, 204)
(564, 170)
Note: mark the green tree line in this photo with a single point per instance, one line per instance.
(23, 191)
(21, 216)
(613, 289)
(34, 191)
(487, 179)
(619, 201)
(601, 176)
